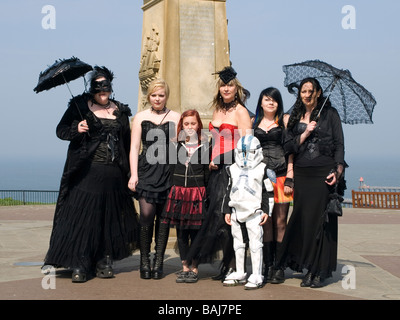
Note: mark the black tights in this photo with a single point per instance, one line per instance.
(275, 228)
(148, 211)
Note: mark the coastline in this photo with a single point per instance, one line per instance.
(45, 174)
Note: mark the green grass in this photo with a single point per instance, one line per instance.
(13, 202)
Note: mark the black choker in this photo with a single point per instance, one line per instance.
(229, 105)
(159, 111)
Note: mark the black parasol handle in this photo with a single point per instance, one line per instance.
(326, 99)
(76, 104)
(77, 107)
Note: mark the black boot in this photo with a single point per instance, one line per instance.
(307, 280)
(279, 271)
(268, 258)
(79, 275)
(146, 235)
(317, 282)
(104, 268)
(161, 245)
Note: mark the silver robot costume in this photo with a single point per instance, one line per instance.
(251, 195)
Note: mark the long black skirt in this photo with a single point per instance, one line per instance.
(97, 218)
(310, 240)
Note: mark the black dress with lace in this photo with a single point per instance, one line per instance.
(153, 169)
(95, 216)
(310, 240)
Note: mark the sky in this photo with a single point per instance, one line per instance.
(264, 35)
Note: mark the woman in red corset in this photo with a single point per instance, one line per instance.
(230, 120)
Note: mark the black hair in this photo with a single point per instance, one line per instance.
(275, 94)
(299, 109)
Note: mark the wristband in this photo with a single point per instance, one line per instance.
(289, 182)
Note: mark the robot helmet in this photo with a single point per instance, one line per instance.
(248, 152)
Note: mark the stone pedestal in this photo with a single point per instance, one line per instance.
(184, 42)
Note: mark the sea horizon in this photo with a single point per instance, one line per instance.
(45, 174)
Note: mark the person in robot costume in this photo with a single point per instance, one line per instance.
(251, 200)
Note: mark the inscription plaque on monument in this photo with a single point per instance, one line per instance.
(185, 42)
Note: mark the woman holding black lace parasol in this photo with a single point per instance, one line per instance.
(317, 144)
(95, 221)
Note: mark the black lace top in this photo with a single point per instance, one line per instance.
(272, 145)
(107, 151)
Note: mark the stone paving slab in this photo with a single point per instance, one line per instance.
(369, 246)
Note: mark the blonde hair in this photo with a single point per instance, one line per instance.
(241, 97)
(155, 85)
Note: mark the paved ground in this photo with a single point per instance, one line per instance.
(369, 247)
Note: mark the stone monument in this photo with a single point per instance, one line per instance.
(184, 42)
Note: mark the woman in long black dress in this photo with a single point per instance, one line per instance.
(317, 143)
(152, 128)
(95, 221)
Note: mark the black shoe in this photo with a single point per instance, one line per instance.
(278, 277)
(223, 274)
(220, 276)
(104, 268)
(145, 273)
(181, 278)
(307, 280)
(191, 277)
(157, 274)
(317, 282)
(78, 275)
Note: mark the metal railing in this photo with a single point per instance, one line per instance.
(35, 197)
(27, 197)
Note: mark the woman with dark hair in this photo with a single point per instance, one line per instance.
(185, 207)
(317, 143)
(95, 221)
(269, 127)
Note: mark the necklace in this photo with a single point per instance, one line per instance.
(106, 106)
(158, 111)
(268, 126)
(226, 106)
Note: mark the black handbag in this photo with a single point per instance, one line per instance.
(334, 206)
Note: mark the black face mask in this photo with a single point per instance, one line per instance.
(100, 86)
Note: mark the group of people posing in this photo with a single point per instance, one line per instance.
(225, 192)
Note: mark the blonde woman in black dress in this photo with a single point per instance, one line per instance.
(152, 129)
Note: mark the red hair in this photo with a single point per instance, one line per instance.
(190, 113)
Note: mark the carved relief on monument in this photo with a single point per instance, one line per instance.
(149, 62)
